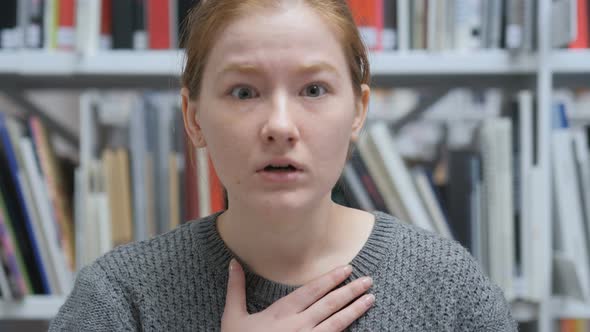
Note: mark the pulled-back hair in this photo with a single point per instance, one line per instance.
(207, 19)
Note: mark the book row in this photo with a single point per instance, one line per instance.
(434, 25)
(90, 25)
(437, 25)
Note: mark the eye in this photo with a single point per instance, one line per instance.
(314, 90)
(243, 92)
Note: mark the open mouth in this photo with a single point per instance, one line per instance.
(288, 168)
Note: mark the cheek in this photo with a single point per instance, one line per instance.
(227, 150)
(331, 146)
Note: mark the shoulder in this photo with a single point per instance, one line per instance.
(162, 254)
(446, 271)
(423, 248)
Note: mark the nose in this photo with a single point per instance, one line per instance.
(279, 126)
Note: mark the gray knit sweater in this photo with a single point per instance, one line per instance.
(177, 282)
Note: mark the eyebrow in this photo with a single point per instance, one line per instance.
(246, 68)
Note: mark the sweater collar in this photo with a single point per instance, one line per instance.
(365, 263)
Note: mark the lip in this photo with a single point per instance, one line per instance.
(280, 161)
(280, 177)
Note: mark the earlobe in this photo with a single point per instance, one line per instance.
(191, 123)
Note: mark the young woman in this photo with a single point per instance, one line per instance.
(277, 90)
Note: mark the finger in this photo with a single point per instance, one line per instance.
(346, 316)
(235, 301)
(306, 295)
(336, 300)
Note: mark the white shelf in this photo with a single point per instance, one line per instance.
(40, 62)
(169, 63)
(571, 61)
(112, 63)
(485, 62)
(568, 308)
(524, 311)
(32, 307)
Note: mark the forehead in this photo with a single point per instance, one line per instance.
(276, 38)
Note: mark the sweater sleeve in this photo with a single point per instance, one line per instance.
(481, 303)
(95, 304)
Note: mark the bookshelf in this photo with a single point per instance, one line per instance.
(540, 71)
(567, 308)
(32, 307)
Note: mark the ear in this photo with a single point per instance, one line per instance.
(362, 106)
(191, 122)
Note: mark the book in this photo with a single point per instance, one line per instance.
(426, 192)
(495, 137)
(582, 28)
(17, 273)
(368, 16)
(55, 181)
(65, 37)
(58, 267)
(397, 176)
(572, 271)
(9, 25)
(28, 236)
(122, 25)
(158, 24)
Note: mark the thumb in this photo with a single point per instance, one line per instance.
(235, 301)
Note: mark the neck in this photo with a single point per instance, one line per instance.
(289, 247)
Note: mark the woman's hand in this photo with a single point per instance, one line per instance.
(308, 308)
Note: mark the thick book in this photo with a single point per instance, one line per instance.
(389, 33)
(33, 37)
(564, 17)
(461, 188)
(66, 30)
(495, 137)
(418, 26)
(123, 23)
(403, 24)
(106, 23)
(158, 24)
(139, 170)
(368, 16)
(8, 24)
(582, 28)
(51, 22)
(140, 38)
(571, 244)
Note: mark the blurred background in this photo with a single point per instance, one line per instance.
(478, 130)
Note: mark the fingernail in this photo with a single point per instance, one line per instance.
(232, 264)
(367, 281)
(369, 300)
(347, 269)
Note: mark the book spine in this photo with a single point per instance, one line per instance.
(583, 29)
(158, 24)
(106, 24)
(66, 26)
(122, 25)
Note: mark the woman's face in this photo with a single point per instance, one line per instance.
(277, 90)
